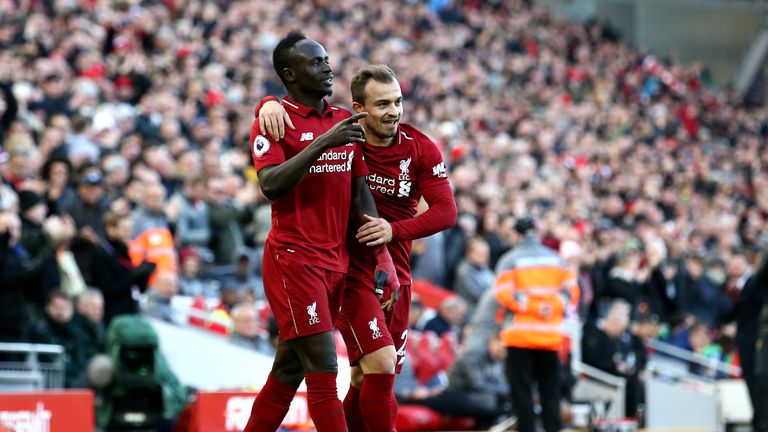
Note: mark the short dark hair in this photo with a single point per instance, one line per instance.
(378, 72)
(281, 53)
(57, 294)
(112, 219)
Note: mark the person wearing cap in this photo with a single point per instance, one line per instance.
(536, 288)
(87, 209)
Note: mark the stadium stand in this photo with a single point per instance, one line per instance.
(649, 179)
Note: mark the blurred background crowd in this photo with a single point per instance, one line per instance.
(127, 182)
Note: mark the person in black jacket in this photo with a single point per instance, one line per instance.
(88, 324)
(9, 110)
(36, 241)
(747, 312)
(19, 272)
(608, 346)
(55, 328)
(120, 281)
(13, 278)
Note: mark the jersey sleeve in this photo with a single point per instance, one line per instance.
(264, 150)
(432, 178)
(359, 167)
(432, 169)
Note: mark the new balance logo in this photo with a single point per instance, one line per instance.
(374, 326)
(307, 136)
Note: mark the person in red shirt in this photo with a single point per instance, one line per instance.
(315, 178)
(404, 165)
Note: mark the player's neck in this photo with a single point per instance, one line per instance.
(378, 141)
(310, 101)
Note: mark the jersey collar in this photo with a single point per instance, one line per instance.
(402, 136)
(305, 111)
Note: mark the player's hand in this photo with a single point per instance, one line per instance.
(375, 232)
(385, 275)
(273, 119)
(389, 304)
(344, 132)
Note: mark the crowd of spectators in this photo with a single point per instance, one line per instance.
(125, 164)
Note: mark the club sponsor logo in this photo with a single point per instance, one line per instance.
(333, 162)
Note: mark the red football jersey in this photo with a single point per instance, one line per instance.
(398, 176)
(310, 221)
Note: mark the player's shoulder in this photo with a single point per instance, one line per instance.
(409, 132)
(422, 145)
(339, 112)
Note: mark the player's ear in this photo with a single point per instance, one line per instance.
(289, 75)
(357, 107)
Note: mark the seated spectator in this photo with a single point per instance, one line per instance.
(56, 328)
(676, 331)
(247, 331)
(57, 172)
(646, 328)
(700, 343)
(477, 386)
(609, 347)
(449, 317)
(88, 323)
(431, 356)
(191, 281)
(473, 276)
(225, 218)
(700, 294)
(422, 374)
(151, 213)
(428, 258)
(159, 297)
(116, 173)
(119, 280)
(245, 277)
(219, 318)
(192, 225)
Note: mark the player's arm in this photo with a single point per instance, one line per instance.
(362, 211)
(276, 180)
(273, 118)
(440, 215)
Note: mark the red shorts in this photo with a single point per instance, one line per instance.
(366, 328)
(305, 299)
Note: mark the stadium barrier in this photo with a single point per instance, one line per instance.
(702, 402)
(27, 367)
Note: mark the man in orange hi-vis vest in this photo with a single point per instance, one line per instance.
(535, 287)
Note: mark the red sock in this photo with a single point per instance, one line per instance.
(378, 405)
(271, 406)
(352, 410)
(324, 404)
